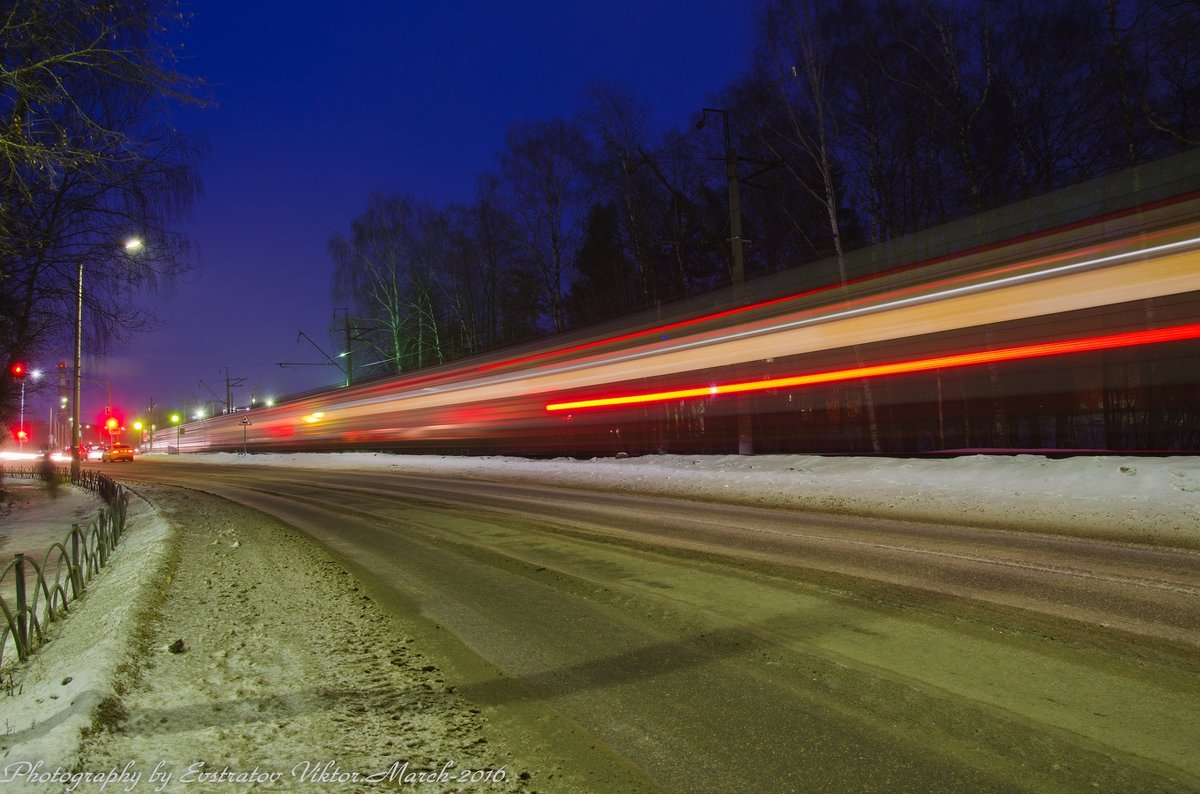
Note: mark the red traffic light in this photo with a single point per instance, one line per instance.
(17, 369)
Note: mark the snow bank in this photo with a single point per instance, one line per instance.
(1141, 499)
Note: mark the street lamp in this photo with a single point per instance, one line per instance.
(175, 421)
(132, 246)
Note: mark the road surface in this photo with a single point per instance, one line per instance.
(714, 648)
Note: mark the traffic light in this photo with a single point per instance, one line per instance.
(112, 425)
(18, 369)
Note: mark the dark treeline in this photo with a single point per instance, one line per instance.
(860, 121)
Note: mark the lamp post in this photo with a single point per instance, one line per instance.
(132, 246)
(76, 384)
(175, 421)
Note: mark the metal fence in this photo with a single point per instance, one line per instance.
(65, 569)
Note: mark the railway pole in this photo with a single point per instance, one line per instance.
(737, 270)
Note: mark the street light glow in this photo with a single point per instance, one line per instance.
(133, 245)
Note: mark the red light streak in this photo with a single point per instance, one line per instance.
(1040, 350)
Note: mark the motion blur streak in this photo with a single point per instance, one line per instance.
(1113, 341)
(1038, 268)
(888, 318)
(1082, 337)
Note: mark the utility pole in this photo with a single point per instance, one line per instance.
(150, 406)
(77, 370)
(349, 353)
(229, 384)
(60, 428)
(738, 273)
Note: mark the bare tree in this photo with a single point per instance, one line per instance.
(619, 124)
(811, 114)
(1171, 39)
(808, 108)
(382, 271)
(543, 167)
(491, 251)
(86, 162)
(77, 79)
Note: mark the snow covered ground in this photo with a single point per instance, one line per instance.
(1144, 499)
(46, 704)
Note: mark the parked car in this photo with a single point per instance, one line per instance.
(118, 452)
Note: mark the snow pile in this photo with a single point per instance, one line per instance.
(1141, 499)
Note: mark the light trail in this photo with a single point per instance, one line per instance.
(1065, 297)
(831, 314)
(659, 330)
(1041, 350)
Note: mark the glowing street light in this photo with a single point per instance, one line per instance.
(133, 245)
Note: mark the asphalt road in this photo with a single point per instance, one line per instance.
(718, 648)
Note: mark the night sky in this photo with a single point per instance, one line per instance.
(318, 104)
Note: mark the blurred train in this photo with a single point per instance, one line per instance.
(1082, 334)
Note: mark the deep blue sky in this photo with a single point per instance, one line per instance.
(318, 104)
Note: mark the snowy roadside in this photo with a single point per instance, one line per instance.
(222, 648)
(110, 661)
(1135, 499)
(49, 701)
